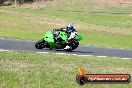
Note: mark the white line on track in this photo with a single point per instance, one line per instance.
(114, 57)
(85, 55)
(74, 54)
(60, 53)
(42, 52)
(2, 38)
(101, 56)
(2, 50)
(126, 58)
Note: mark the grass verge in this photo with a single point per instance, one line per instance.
(31, 70)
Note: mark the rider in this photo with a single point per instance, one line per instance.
(70, 30)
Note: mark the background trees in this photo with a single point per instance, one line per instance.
(6, 2)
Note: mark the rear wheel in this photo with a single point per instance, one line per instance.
(40, 44)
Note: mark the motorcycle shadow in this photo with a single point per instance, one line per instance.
(62, 51)
(74, 51)
(82, 52)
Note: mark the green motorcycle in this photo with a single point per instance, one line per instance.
(49, 41)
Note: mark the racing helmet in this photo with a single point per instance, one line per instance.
(70, 27)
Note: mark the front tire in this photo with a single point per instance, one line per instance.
(75, 45)
(40, 44)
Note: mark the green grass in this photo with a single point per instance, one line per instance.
(98, 29)
(31, 70)
(85, 6)
(106, 20)
(114, 40)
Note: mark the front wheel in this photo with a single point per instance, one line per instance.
(40, 44)
(74, 45)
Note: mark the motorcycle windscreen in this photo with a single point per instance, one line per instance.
(80, 37)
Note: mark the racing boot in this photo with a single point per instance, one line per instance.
(67, 47)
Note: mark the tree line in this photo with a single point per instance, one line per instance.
(9, 2)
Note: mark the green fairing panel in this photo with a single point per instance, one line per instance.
(80, 37)
(48, 37)
(63, 35)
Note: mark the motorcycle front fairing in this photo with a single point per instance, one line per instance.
(80, 37)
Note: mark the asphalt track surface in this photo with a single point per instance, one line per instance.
(24, 45)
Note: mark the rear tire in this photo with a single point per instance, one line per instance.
(40, 44)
